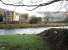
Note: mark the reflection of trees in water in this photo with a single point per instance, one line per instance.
(10, 31)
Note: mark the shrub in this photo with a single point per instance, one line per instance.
(35, 20)
(57, 38)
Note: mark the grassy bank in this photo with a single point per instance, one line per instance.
(2, 26)
(22, 42)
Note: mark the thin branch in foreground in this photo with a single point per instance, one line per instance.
(43, 4)
(36, 6)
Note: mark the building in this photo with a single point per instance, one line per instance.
(23, 18)
(1, 15)
(12, 17)
(6, 15)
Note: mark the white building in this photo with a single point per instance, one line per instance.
(12, 16)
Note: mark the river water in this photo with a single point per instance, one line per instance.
(24, 31)
(21, 31)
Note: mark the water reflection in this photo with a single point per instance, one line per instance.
(25, 30)
(21, 31)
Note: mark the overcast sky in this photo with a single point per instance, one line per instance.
(57, 6)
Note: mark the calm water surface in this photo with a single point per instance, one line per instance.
(24, 30)
(21, 31)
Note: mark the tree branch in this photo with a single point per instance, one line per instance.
(43, 4)
(36, 6)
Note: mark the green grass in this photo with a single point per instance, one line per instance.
(22, 42)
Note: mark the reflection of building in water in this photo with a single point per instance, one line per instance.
(9, 32)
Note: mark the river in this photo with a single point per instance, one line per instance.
(24, 30)
(21, 31)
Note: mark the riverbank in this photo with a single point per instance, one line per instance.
(22, 42)
(11, 26)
